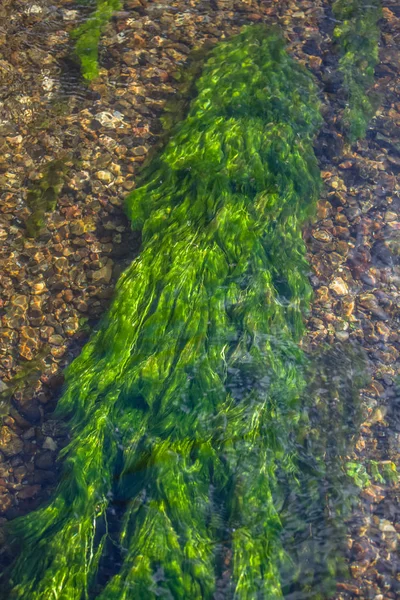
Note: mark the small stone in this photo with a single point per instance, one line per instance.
(390, 216)
(342, 336)
(346, 164)
(70, 15)
(34, 9)
(130, 58)
(10, 443)
(383, 330)
(103, 275)
(49, 444)
(324, 209)
(110, 120)
(104, 176)
(78, 228)
(28, 342)
(348, 305)
(128, 184)
(56, 340)
(139, 151)
(339, 286)
(370, 303)
(386, 526)
(45, 460)
(39, 288)
(28, 492)
(5, 502)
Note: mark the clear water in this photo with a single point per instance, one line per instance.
(77, 148)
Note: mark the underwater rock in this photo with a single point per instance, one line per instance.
(10, 442)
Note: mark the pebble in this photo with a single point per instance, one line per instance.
(49, 444)
(110, 120)
(10, 442)
(103, 275)
(104, 176)
(339, 286)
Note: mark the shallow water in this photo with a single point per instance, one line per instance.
(58, 281)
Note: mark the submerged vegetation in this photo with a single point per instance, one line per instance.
(186, 407)
(26, 378)
(88, 34)
(317, 505)
(357, 35)
(42, 197)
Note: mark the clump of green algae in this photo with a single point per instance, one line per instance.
(357, 35)
(184, 405)
(42, 197)
(24, 379)
(88, 34)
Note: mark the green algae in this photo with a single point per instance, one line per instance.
(324, 495)
(87, 37)
(357, 36)
(26, 378)
(186, 407)
(42, 197)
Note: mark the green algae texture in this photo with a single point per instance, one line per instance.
(357, 35)
(42, 197)
(184, 405)
(88, 34)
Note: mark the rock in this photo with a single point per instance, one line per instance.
(321, 235)
(390, 216)
(110, 120)
(104, 176)
(10, 442)
(339, 286)
(386, 526)
(49, 444)
(5, 502)
(45, 460)
(342, 336)
(370, 303)
(56, 340)
(139, 151)
(28, 492)
(70, 15)
(103, 275)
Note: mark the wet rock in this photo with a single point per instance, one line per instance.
(339, 286)
(49, 444)
(5, 502)
(103, 275)
(105, 176)
(110, 120)
(321, 235)
(369, 302)
(45, 460)
(342, 336)
(28, 492)
(10, 442)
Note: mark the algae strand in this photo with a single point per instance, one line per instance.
(87, 36)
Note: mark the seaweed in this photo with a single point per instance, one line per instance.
(186, 407)
(42, 197)
(315, 510)
(88, 34)
(26, 378)
(357, 36)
